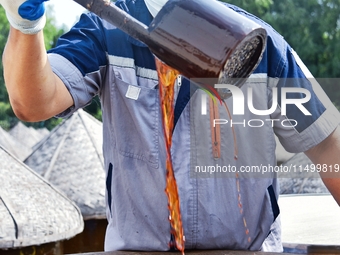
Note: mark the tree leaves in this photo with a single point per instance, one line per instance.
(311, 27)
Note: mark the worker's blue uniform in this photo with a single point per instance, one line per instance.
(221, 208)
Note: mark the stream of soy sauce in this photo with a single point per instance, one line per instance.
(167, 77)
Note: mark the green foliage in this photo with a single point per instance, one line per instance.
(94, 108)
(49, 124)
(311, 27)
(7, 117)
(4, 29)
(51, 31)
(257, 7)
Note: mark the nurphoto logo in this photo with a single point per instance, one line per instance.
(239, 104)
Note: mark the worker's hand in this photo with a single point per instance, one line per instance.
(28, 16)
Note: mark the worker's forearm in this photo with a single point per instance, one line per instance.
(31, 84)
(327, 153)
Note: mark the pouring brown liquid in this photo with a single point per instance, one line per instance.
(167, 77)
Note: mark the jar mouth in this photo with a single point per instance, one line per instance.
(241, 63)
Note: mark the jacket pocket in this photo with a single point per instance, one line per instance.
(136, 121)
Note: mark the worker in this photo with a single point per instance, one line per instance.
(224, 209)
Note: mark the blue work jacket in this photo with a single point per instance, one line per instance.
(225, 203)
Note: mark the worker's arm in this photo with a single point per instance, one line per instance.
(35, 92)
(328, 153)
